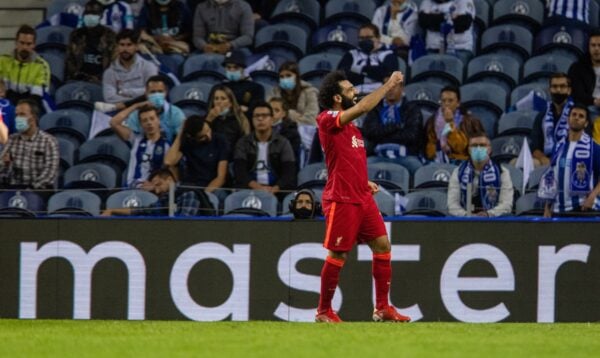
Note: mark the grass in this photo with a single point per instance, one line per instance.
(45, 338)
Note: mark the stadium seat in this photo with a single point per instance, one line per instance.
(53, 39)
(205, 67)
(433, 175)
(337, 39)
(191, 94)
(426, 203)
(285, 205)
(386, 202)
(392, 176)
(316, 66)
(70, 124)
(17, 203)
(312, 176)
(172, 63)
(482, 15)
(133, 198)
(594, 15)
(79, 95)
(540, 68)
(502, 70)
(535, 176)
(511, 40)
(110, 150)
(74, 202)
(487, 101)
(67, 153)
(251, 202)
(57, 70)
(265, 70)
(305, 14)
(529, 205)
(424, 94)
(506, 148)
(516, 176)
(284, 40)
(56, 7)
(349, 12)
(90, 176)
(525, 13)
(568, 41)
(521, 91)
(442, 69)
(518, 122)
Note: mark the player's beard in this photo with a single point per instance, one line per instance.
(348, 102)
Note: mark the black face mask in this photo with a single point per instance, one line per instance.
(558, 98)
(347, 103)
(366, 45)
(303, 213)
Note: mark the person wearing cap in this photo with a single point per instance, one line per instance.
(247, 93)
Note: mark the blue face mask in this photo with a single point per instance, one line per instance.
(91, 20)
(287, 83)
(21, 124)
(157, 99)
(233, 76)
(478, 154)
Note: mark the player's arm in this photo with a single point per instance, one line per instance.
(371, 100)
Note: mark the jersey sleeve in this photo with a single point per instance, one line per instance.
(329, 121)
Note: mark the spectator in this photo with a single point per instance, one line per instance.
(203, 155)
(568, 12)
(283, 125)
(187, 202)
(3, 133)
(264, 160)
(171, 116)
(491, 186)
(90, 47)
(247, 93)
(168, 25)
(7, 114)
(223, 25)
(552, 125)
(30, 158)
(117, 15)
(571, 184)
(394, 130)
(448, 130)
(372, 61)
(147, 150)
(305, 205)
(585, 76)
(455, 19)
(124, 81)
(24, 71)
(397, 23)
(225, 115)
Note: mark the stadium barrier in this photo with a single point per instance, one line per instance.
(208, 270)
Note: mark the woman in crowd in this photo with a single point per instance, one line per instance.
(225, 116)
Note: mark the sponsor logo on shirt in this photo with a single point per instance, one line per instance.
(357, 142)
(333, 113)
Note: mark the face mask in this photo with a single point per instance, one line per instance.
(157, 99)
(91, 20)
(302, 213)
(233, 76)
(224, 112)
(347, 103)
(478, 154)
(21, 124)
(287, 83)
(366, 45)
(559, 98)
(163, 2)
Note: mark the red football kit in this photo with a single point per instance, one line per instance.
(351, 213)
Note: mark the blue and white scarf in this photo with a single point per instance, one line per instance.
(156, 161)
(552, 134)
(489, 183)
(388, 16)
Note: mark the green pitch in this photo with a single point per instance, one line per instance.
(279, 339)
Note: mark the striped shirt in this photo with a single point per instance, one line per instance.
(34, 160)
(117, 16)
(572, 9)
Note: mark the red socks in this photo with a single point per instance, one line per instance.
(382, 273)
(330, 275)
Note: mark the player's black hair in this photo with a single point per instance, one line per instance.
(330, 86)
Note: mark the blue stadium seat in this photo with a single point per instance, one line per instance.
(18, 203)
(540, 68)
(90, 176)
(349, 12)
(518, 122)
(79, 95)
(284, 40)
(529, 205)
(386, 202)
(133, 198)
(66, 149)
(516, 177)
(568, 41)
(52, 39)
(70, 124)
(267, 74)
(316, 66)
(191, 94)
(506, 148)
(502, 70)
(511, 40)
(110, 150)
(424, 94)
(426, 203)
(487, 101)
(525, 13)
(305, 14)
(251, 202)
(74, 203)
(433, 175)
(74, 7)
(313, 176)
(521, 91)
(482, 15)
(337, 39)
(205, 67)
(535, 176)
(57, 69)
(443, 69)
(391, 176)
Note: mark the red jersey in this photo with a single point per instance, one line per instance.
(346, 159)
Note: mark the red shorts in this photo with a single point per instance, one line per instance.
(348, 223)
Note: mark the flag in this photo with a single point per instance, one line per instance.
(525, 162)
(532, 101)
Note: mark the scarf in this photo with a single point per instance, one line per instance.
(439, 125)
(405, 14)
(156, 161)
(489, 183)
(552, 134)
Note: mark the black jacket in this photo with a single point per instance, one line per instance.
(583, 81)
